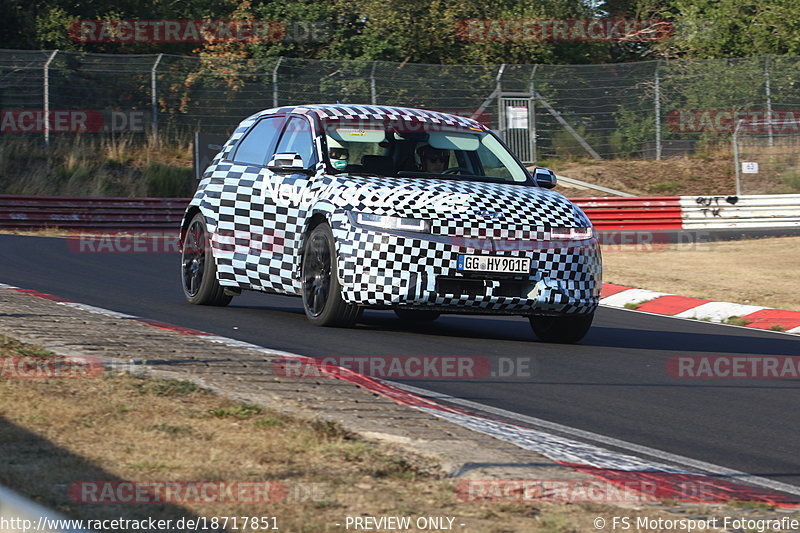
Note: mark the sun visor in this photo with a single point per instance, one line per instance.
(358, 135)
(454, 141)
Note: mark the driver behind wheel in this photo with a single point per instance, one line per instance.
(338, 154)
(433, 159)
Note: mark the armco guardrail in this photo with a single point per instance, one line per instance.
(632, 213)
(31, 212)
(628, 213)
(756, 211)
(593, 186)
(68, 212)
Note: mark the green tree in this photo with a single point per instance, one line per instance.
(707, 29)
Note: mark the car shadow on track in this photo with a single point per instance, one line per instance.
(681, 341)
(470, 327)
(513, 329)
(599, 336)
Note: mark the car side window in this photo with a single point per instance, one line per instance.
(297, 139)
(257, 146)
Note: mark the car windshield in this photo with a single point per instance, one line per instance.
(421, 151)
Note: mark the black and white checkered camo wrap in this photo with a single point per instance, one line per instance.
(286, 160)
(382, 268)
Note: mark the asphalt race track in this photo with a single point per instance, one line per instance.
(614, 382)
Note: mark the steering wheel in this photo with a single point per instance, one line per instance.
(455, 170)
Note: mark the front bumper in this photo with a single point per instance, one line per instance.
(386, 269)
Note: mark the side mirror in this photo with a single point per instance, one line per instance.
(287, 161)
(544, 177)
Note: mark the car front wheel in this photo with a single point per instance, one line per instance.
(198, 270)
(561, 329)
(322, 292)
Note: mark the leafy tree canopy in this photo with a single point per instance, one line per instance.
(424, 31)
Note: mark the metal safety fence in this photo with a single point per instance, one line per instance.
(651, 109)
(766, 156)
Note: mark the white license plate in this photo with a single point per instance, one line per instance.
(494, 263)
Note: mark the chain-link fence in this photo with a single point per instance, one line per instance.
(652, 109)
(767, 157)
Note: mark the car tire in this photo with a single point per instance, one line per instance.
(561, 329)
(322, 292)
(417, 315)
(198, 270)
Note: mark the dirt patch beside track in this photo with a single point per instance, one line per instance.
(755, 272)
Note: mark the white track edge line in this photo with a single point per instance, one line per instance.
(596, 437)
(696, 321)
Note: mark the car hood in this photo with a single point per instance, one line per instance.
(453, 206)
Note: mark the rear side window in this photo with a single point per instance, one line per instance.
(297, 139)
(258, 145)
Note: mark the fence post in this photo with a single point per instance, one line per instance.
(372, 89)
(275, 82)
(658, 111)
(768, 94)
(532, 113)
(46, 103)
(500, 113)
(154, 97)
(736, 157)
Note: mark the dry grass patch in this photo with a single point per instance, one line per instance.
(125, 165)
(704, 174)
(119, 427)
(756, 272)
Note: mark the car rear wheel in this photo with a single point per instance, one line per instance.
(417, 315)
(322, 293)
(561, 329)
(198, 270)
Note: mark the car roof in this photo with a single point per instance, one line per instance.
(378, 113)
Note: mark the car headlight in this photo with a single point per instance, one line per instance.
(392, 223)
(573, 234)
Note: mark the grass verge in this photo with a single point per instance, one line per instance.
(125, 165)
(56, 432)
(754, 272)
